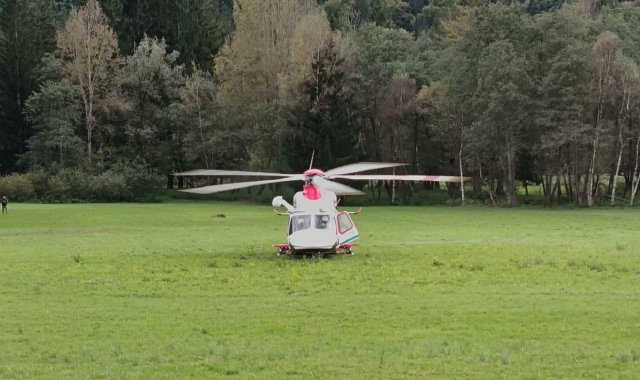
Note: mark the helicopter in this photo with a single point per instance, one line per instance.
(316, 226)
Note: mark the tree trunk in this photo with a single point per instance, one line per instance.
(615, 177)
(461, 174)
(169, 181)
(546, 186)
(613, 169)
(592, 167)
(376, 141)
(634, 189)
(89, 143)
(499, 185)
(567, 185)
(416, 158)
(510, 179)
(393, 189)
(493, 202)
(577, 179)
(477, 185)
(628, 171)
(559, 185)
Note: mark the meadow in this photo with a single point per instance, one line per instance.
(171, 291)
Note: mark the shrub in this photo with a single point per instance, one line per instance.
(17, 186)
(109, 186)
(71, 183)
(141, 179)
(58, 187)
(39, 178)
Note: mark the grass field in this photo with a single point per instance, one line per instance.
(170, 291)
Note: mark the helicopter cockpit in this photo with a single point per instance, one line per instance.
(304, 222)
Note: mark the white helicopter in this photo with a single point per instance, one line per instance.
(315, 224)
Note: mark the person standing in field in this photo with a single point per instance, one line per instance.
(4, 205)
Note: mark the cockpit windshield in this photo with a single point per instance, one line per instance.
(303, 222)
(322, 222)
(299, 223)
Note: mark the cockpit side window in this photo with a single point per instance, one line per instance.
(344, 222)
(322, 222)
(299, 223)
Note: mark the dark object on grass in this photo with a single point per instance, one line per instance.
(221, 216)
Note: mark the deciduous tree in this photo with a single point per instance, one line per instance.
(89, 49)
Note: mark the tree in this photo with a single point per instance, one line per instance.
(322, 121)
(397, 115)
(27, 30)
(249, 68)
(55, 113)
(309, 41)
(602, 87)
(195, 28)
(501, 102)
(379, 13)
(486, 67)
(627, 92)
(89, 50)
(434, 13)
(199, 32)
(562, 87)
(152, 83)
(198, 101)
(377, 55)
(448, 121)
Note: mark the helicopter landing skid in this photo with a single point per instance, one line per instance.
(345, 249)
(283, 249)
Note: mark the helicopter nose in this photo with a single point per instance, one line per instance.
(313, 239)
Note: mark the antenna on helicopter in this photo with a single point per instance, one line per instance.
(311, 163)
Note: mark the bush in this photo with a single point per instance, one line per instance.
(109, 186)
(39, 178)
(70, 183)
(141, 179)
(17, 186)
(58, 187)
(124, 181)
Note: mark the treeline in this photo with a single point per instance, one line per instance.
(509, 93)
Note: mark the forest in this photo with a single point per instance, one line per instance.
(107, 99)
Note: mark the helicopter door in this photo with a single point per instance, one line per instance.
(347, 231)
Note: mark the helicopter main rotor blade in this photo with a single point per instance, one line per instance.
(220, 173)
(416, 178)
(239, 185)
(335, 187)
(360, 167)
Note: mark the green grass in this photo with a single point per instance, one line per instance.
(170, 291)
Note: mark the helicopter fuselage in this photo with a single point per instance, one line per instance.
(315, 224)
